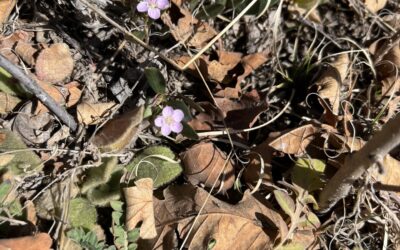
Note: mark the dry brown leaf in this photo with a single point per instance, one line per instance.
(26, 51)
(54, 92)
(187, 28)
(391, 174)
(246, 225)
(296, 141)
(54, 64)
(330, 82)
(218, 69)
(119, 132)
(204, 162)
(6, 6)
(139, 207)
(313, 16)
(40, 241)
(30, 212)
(74, 93)
(375, 5)
(250, 63)
(93, 113)
(8, 102)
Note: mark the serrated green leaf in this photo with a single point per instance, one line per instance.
(133, 235)
(82, 213)
(285, 202)
(157, 163)
(117, 206)
(308, 174)
(155, 79)
(117, 217)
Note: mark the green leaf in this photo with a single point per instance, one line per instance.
(309, 221)
(147, 112)
(5, 188)
(117, 206)
(189, 132)
(82, 213)
(292, 246)
(306, 4)
(133, 235)
(99, 175)
(117, 217)
(285, 202)
(308, 174)
(309, 199)
(155, 80)
(132, 246)
(212, 10)
(157, 163)
(24, 160)
(9, 85)
(103, 194)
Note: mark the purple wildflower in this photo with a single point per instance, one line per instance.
(170, 121)
(152, 7)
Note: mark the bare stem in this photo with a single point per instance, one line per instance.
(356, 164)
(37, 91)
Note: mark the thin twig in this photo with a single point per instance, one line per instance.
(37, 91)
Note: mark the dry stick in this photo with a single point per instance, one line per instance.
(356, 164)
(37, 91)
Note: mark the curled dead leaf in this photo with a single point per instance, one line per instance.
(93, 113)
(205, 163)
(246, 225)
(139, 207)
(375, 5)
(40, 241)
(55, 63)
(119, 132)
(187, 28)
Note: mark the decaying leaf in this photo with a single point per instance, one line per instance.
(391, 173)
(296, 141)
(6, 6)
(26, 52)
(119, 132)
(93, 113)
(8, 102)
(330, 82)
(139, 207)
(33, 129)
(157, 163)
(40, 241)
(375, 5)
(218, 69)
(187, 28)
(246, 225)
(55, 63)
(205, 163)
(250, 63)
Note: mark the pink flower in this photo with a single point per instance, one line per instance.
(170, 121)
(152, 7)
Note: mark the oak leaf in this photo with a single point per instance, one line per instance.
(246, 225)
(139, 207)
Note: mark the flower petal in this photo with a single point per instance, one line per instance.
(154, 13)
(159, 121)
(142, 6)
(162, 4)
(165, 130)
(176, 127)
(167, 111)
(178, 115)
